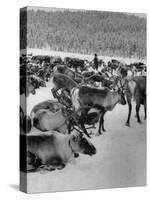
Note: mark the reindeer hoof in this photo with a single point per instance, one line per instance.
(61, 166)
(127, 124)
(98, 134)
(139, 122)
(47, 167)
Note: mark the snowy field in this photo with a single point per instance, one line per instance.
(81, 56)
(120, 160)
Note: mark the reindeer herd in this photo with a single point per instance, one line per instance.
(83, 95)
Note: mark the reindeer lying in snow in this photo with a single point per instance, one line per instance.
(48, 115)
(52, 150)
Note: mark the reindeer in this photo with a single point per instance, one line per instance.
(63, 69)
(105, 82)
(52, 150)
(26, 86)
(136, 89)
(62, 81)
(49, 115)
(96, 78)
(85, 97)
(101, 99)
(29, 84)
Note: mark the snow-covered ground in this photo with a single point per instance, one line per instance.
(81, 56)
(120, 160)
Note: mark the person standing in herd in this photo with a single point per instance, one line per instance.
(95, 62)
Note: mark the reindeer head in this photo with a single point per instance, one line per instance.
(79, 143)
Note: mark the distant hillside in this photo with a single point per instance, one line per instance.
(88, 32)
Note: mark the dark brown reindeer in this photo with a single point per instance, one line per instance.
(136, 89)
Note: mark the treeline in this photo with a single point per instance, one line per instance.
(87, 32)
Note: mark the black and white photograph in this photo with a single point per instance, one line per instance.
(83, 99)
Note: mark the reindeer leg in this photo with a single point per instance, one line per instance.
(100, 125)
(56, 163)
(33, 162)
(103, 129)
(137, 113)
(101, 122)
(129, 113)
(145, 109)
